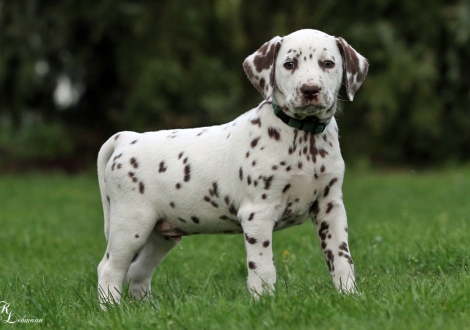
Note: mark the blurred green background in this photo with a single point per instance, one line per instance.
(74, 72)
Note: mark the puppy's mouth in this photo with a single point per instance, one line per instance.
(310, 109)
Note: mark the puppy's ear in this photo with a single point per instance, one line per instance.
(355, 67)
(260, 67)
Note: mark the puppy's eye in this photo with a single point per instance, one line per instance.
(328, 64)
(289, 65)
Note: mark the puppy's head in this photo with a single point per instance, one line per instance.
(303, 72)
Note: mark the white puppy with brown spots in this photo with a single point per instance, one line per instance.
(271, 168)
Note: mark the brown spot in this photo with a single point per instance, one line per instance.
(251, 265)
(349, 259)
(322, 169)
(250, 240)
(262, 83)
(195, 219)
(131, 174)
(253, 163)
(180, 155)
(274, 133)
(107, 255)
(252, 215)
(288, 168)
(112, 167)
(232, 209)
(141, 187)
(181, 219)
(109, 200)
(266, 244)
(162, 167)
(254, 143)
(330, 258)
(136, 236)
(287, 186)
(172, 204)
(240, 174)
(327, 188)
(187, 173)
(119, 166)
(214, 190)
(274, 167)
(116, 137)
(178, 185)
(248, 180)
(214, 204)
(264, 196)
(322, 232)
(299, 165)
(256, 121)
(267, 181)
(265, 59)
(343, 246)
(134, 162)
(117, 157)
(185, 160)
(247, 154)
(322, 153)
(134, 142)
(329, 207)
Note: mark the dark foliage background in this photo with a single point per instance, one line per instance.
(148, 65)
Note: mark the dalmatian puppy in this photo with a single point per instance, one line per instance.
(273, 167)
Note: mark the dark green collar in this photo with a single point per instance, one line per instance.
(309, 124)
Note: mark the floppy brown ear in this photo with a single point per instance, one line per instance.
(260, 66)
(355, 67)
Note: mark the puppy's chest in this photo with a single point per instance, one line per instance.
(292, 167)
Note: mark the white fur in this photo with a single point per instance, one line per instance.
(251, 176)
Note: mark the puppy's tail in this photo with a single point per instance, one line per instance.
(104, 155)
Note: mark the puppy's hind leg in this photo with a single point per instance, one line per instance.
(129, 231)
(144, 263)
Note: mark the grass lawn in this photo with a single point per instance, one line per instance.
(409, 235)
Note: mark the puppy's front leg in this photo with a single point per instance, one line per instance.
(258, 232)
(329, 217)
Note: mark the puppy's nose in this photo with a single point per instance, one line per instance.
(310, 92)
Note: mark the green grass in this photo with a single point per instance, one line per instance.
(408, 236)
